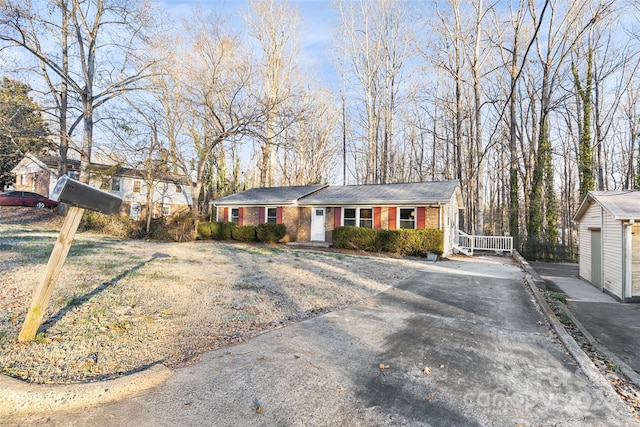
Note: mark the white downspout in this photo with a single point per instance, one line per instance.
(627, 279)
(602, 231)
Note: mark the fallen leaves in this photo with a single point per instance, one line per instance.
(257, 405)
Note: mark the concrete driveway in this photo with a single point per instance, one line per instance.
(459, 344)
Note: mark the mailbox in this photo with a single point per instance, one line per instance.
(76, 193)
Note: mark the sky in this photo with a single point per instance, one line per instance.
(317, 20)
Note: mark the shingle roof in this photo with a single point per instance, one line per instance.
(268, 196)
(384, 194)
(52, 162)
(622, 205)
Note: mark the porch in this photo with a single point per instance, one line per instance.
(468, 244)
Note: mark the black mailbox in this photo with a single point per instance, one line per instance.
(75, 193)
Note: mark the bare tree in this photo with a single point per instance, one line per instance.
(375, 44)
(97, 54)
(273, 23)
(310, 154)
(220, 103)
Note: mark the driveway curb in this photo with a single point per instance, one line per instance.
(20, 398)
(626, 369)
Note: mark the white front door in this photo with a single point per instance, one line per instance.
(317, 224)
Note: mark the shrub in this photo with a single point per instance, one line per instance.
(244, 233)
(403, 241)
(222, 230)
(365, 239)
(415, 242)
(270, 232)
(215, 230)
(113, 225)
(158, 229)
(204, 230)
(181, 227)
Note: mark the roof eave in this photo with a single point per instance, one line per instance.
(262, 203)
(375, 203)
(586, 202)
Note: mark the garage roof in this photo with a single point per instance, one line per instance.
(622, 205)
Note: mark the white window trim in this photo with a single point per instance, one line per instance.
(415, 216)
(266, 214)
(237, 217)
(120, 182)
(357, 208)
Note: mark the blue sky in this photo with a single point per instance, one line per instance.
(317, 20)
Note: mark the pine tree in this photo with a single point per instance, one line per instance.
(22, 129)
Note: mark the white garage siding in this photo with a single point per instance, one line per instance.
(612, 253)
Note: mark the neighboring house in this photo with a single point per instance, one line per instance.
(312, 213)
(609, 232)
(170, 195)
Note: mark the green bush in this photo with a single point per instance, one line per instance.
(222, 230)
(215, 230)
(244, 233)
(270, 232)
(365, 239)
(415, 242)
(204, 230)
(403, 241)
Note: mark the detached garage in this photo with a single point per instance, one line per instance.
(609, 230)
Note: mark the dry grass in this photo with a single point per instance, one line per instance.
(122, 305)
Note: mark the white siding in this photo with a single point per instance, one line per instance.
(450, 224)
(590, 219)
(165, 192)
(612, 254)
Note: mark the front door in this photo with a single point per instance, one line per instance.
(317, 224)
(596, 259)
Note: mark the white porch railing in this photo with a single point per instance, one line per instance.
(467, 243)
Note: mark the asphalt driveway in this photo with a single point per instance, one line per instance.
(458, 344)
(612, 324)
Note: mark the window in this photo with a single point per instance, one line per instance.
(113, 184)
(366, 218)
(136, 186)
(359, 217)
(166, 210)
(350, 217)
(271, 216)
(234, 215)
(407, 218)
(116, 184)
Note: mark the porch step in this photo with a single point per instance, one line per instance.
(310, 244)
(463, 250)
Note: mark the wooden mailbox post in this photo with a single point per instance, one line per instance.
(80, 196)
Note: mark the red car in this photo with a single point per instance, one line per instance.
(25, 198)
